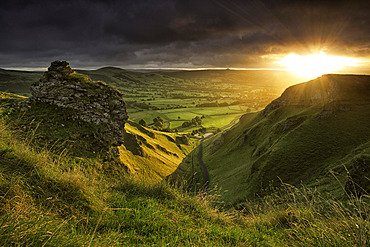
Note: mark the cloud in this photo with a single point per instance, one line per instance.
(173, 33)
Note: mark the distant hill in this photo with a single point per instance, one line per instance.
(18, 82)
(268, 78)
(120, 76)
(314, 131)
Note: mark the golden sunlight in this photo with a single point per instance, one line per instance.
(315, 65)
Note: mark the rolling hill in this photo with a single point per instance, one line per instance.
(317, 134)
(18, 82)
(266, 78)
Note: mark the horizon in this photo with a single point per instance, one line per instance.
(164, 69)
(211, 34)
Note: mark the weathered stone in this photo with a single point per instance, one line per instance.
(92, 102)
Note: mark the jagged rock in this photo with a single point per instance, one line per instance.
(92, 102)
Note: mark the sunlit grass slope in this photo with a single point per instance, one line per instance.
(4, 96)
(318, 145)
(151, 154)
(52, 199)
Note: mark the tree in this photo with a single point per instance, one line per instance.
(197, 121)
(185, 124)
(142, 122)
(158, 121)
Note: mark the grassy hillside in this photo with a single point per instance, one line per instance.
(18, 81)
(153, 155)
(52, 199)
(320, 145)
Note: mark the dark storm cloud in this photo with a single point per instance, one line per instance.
(222, 33)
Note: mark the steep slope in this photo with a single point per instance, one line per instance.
(151, 154)
(313, 131)
(4, 97)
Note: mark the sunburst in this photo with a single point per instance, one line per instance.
(312, 66)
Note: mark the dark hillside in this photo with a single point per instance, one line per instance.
(18, 82)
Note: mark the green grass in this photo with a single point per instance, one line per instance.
(51, 199)
(257, 153)
(152, 155)
(215, 117)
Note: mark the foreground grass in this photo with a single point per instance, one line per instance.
(55, 200)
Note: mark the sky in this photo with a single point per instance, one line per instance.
(180, 33)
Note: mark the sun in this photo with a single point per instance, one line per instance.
(315, 65)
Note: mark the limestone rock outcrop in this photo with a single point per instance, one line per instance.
(87, 100)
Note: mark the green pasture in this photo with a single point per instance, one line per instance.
(214, 117)
(219, 121)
